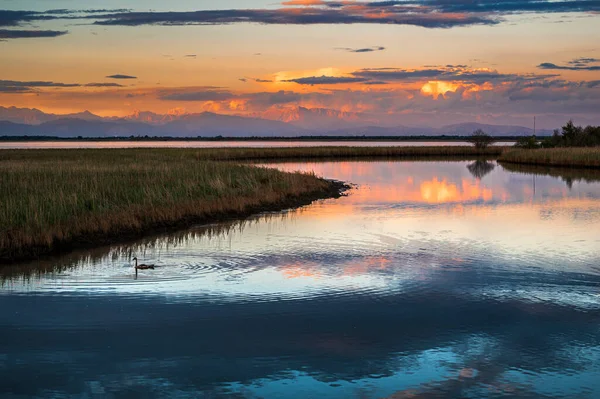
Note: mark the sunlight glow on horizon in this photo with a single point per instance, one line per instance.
(502, 72)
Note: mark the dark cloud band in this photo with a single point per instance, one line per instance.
(362, 50)
(580, 64)
(198, 95)
(283, 17)
(423, 13)
(326, 80)
(103, 85)
(18, 18)
(15, 86)
(29, 34)
(120, 76)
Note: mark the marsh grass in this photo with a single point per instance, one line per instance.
(50, 200)
(566, 157)
(310, 153)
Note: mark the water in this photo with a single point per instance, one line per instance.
(430, 280)
(228, 144)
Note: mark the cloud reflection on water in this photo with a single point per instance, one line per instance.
(473, 287)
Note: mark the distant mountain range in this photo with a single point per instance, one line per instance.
(288, 122)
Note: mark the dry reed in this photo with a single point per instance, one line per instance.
(567, 157)
(51, 200)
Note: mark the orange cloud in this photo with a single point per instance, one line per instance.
(303, 3)
(435, 88)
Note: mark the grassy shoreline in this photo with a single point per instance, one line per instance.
(311, 153)
(557, 157)
(244, 154)
(55, 201)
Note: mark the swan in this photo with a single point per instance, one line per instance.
(142, 266)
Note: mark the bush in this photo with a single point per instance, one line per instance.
(481, 139)
(530, 142)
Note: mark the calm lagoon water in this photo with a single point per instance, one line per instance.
(429, 280)
(228, 144)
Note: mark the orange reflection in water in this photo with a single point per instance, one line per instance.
(436, 191)
(433, 191)
(301, 270)
(388, 183)
(353, 267)
(415, 183)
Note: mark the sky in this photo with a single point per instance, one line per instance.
(411, 62)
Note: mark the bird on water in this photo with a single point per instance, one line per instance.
(142, 266)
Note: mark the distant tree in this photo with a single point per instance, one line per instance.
(529, 142)
(574, 136)
(481, 139)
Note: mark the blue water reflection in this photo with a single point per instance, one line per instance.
(431, 279)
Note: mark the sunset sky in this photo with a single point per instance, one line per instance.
(413, 62)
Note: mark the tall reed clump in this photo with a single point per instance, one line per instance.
(50, 200)
(571, 157)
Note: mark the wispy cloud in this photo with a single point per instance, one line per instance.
(257, 80)
(578, 64)
(202, 95)
(29, 34)
(461, 73)
(120, 76)
(583, 61)
(15, 86)
(361, 50)
(103, 85)
(326, 80)
(18, 18)
(210, 94)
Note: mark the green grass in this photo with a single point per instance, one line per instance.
(52, 199)
(566, 157)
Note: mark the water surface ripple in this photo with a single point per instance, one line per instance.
(429, 280)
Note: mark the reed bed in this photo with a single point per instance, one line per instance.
(54, 200)
(310, 153)
(252, 154)
(566, 157)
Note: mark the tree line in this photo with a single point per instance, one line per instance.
(568, 136)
